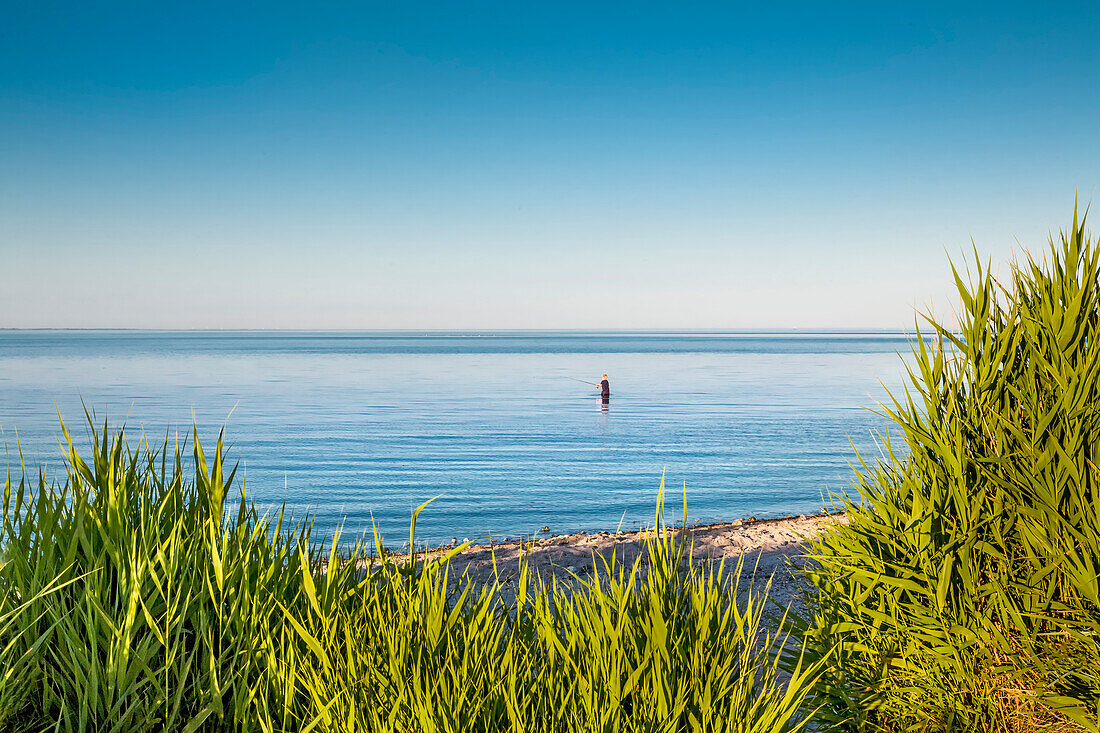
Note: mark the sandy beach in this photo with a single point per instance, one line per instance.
(766, 545)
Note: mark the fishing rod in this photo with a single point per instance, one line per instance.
(583, 381)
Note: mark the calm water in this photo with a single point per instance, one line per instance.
(346, 424)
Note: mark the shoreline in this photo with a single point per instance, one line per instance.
(765, 545)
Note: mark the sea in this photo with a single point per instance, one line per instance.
(354, 430)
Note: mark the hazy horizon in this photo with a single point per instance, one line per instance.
(438, 167)
(478, 331)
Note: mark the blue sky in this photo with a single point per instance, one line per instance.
(469, 165)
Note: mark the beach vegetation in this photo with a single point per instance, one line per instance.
(964, 592)
(144, 591)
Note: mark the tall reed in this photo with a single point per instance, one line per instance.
(661, 645)
(963, 594)
(134, 596)
(165, 609)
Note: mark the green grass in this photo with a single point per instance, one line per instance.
(963, 595)
(134, 597)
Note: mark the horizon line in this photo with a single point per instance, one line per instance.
(786, 329)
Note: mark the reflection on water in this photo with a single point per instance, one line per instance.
(350, 425)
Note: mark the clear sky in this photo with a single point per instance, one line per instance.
(522, 165)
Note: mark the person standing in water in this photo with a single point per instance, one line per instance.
(605, 388)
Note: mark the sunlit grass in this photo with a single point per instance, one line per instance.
(134, 597)
(963, 594)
